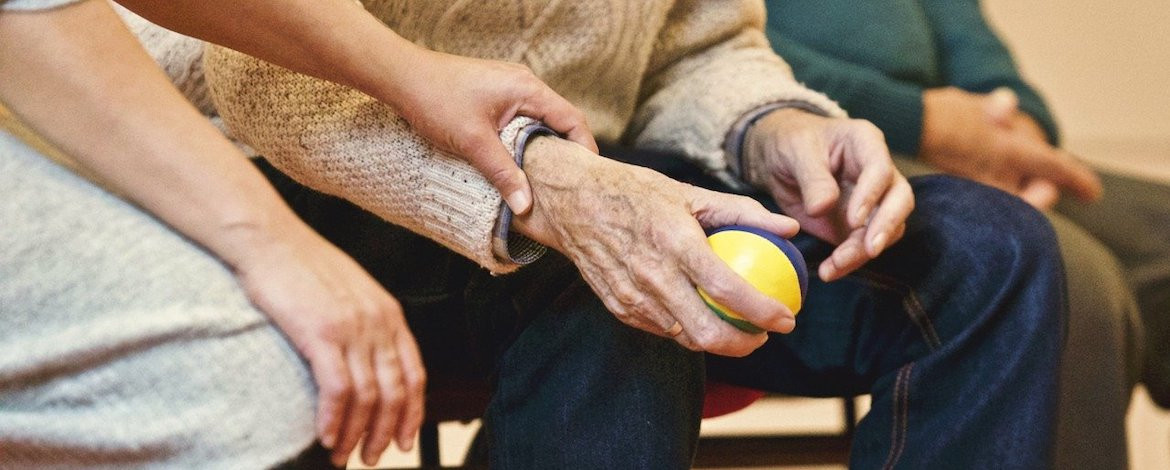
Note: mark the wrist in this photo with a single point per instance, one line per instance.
(762, 136)
(943, 110)
(540, 153)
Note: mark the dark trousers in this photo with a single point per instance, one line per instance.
(956, 332)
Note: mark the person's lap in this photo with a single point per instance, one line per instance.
(122, 344)
(1132, 221)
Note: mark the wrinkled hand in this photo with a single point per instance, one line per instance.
(987, 139)
(637, 238)
(836, 177)
(367, 367)
(460, 104)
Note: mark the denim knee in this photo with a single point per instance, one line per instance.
(1003, 248)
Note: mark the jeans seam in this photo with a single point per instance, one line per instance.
(901, 416)
(911, 304)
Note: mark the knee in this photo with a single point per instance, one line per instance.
(993, 252)
(984, 225)
(1103, 322)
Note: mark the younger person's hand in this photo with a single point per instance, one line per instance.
(368, 370)
(460, 104)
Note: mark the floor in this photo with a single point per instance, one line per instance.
(1149, 431)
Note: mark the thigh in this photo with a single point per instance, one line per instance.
(121, 343)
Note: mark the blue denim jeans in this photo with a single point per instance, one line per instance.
(956, 331)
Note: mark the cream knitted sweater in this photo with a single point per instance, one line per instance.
(673, 75)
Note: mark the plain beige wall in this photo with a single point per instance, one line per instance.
(1104, 68)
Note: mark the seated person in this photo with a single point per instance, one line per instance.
(166, 311)
(945, 91)
(952, 316)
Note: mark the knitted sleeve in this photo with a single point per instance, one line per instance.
(893, 105)
(975, 59)
(342, 142)
(712, 67)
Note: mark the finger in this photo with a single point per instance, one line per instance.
(334, 388)
(895, 207)
(727, 288)
(387, 414)
(699, 323)
(1000, 105)
(714, 210)
(720, 282)
(365, 398)
(630, 305)
(487, 154)
(1040, 193)
(1061, 168)
(559, 115)
(847, 257)
(819, 190)
(877, 176)
(414, 379)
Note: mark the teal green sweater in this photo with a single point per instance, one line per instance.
(875, 57)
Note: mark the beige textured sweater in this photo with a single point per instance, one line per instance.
(673, 75)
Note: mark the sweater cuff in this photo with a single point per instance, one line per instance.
(733, 145)
(508, 246)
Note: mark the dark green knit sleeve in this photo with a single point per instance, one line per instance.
(892, 105)
(975, 59)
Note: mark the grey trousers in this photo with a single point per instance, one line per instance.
(123, 345)
(1117, 258)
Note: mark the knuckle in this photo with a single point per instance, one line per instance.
(337, 390)
(365, 394)
(499, 175)
(417, 384)
(395, 397)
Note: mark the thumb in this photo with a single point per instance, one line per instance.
(1000, 105)
(1040, 193)
(496, 164)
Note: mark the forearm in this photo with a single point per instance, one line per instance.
(336, 40)
(82, 82)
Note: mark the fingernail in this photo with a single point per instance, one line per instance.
(826, 271)
(787, 324)
(861, 216)
(877, 243)
(519, 202)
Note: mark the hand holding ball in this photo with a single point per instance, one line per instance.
(768, 262)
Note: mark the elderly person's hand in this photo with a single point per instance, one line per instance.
(984, 137)
(637, 237)
(836, 177)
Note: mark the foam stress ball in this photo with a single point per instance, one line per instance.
(768, 262)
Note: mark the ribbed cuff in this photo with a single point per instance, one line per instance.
(509, 246)
(733, 145)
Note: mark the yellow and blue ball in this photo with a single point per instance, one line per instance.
(768, 262)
